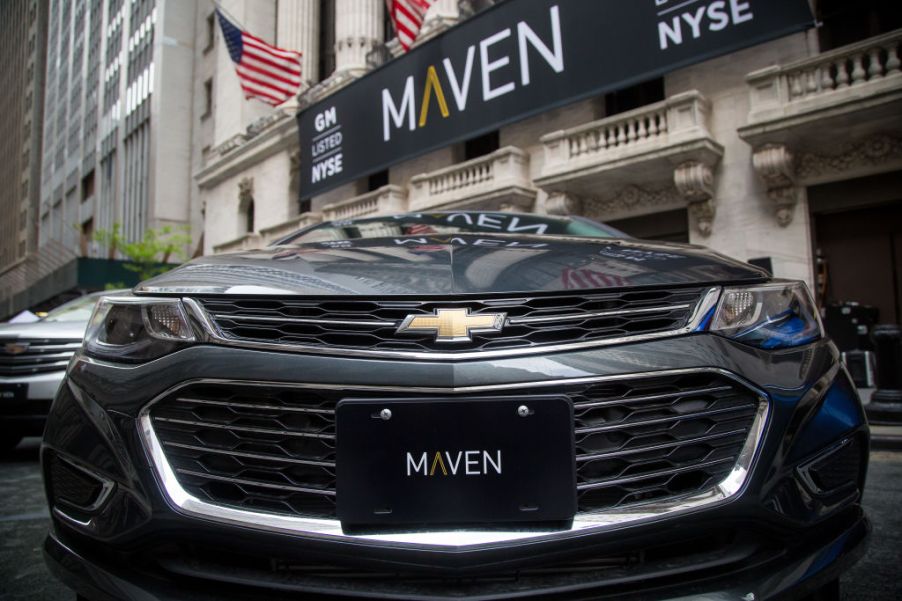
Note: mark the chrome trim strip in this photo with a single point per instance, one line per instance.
(661, 420)
(597, 314)
(329, 322)
(658, 447)
(214, 335)
(254, 406)
(261, 456)
(636, 478)
(583, 523)
(189, 422)
(304, 489)
(650, 397)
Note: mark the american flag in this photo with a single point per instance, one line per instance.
(407, 17)
(267, 73)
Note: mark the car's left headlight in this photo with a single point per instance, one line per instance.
(771, 316)
(134, 329)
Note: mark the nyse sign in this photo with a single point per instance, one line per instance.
(514, 60)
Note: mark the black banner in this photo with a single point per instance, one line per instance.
(516, 59)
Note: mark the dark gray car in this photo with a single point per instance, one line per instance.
(464, 405)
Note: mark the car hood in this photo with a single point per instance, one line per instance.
(451, 265)
(63, 330)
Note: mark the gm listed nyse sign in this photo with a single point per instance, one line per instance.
(514, 60)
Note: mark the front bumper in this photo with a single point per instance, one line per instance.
(791, 572)
(772, 537)
(28, 417)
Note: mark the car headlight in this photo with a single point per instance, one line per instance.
(133, 329)
(770, 317)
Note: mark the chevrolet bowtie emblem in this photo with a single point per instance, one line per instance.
(453, 325)
(16, 348)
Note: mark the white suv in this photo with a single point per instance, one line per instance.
(33, 359)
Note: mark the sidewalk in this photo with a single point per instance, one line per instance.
(887, 438)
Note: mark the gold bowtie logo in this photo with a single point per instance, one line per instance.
(453, 325)
(16, 348)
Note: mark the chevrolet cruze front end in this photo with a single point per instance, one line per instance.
(430, 405)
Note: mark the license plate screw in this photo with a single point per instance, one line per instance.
(385, 414)
(524, 411)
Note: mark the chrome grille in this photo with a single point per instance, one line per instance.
(372, 325)
(271, 447)
(22, 357)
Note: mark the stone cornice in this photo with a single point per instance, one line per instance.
(274, 138)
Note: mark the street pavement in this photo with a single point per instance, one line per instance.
(24, 520)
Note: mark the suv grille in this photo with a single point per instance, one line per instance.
(21, 357)
(272, 448)
(372, 325)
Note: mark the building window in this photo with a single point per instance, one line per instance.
(845, 22)
(249, 218)
(633, 97)
(326, 38)
(87, 186)
(208, 99)
(304, 205)
(377, 180)
(211, 32)
(481, 145)
(87, 236)
(246, 204)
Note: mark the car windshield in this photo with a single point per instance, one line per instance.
(423, 224)
(79, 309)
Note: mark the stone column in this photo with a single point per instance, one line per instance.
(358, 29)
(297, 28)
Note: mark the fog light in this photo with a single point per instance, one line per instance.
(836, 470)
(76, 487)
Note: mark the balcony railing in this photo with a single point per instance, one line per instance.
(246, 242)
(667, 129)
(491, 181)
(810, 83)
(275, 232)
(385, 200)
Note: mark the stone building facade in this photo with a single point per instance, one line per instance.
(762, 154)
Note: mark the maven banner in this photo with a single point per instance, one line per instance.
(516, 59)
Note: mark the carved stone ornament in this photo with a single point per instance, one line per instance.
(775, 166)
(872, 152)
(630, 201)
(695, 183)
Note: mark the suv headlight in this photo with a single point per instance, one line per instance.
(772, 316)
(134, 329)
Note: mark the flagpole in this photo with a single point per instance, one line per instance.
(229, 15)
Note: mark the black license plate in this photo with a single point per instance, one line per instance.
(13, 393)
(455, 461)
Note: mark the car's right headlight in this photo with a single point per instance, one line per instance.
(134, 329)
(770, 316)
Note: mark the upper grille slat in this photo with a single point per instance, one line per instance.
(652, 438)
(34, 356)
(371, 326)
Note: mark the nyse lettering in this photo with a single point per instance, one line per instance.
(325, 151)
(679, 23)
(399, 110)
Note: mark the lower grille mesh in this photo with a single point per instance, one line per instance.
(272, 448)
